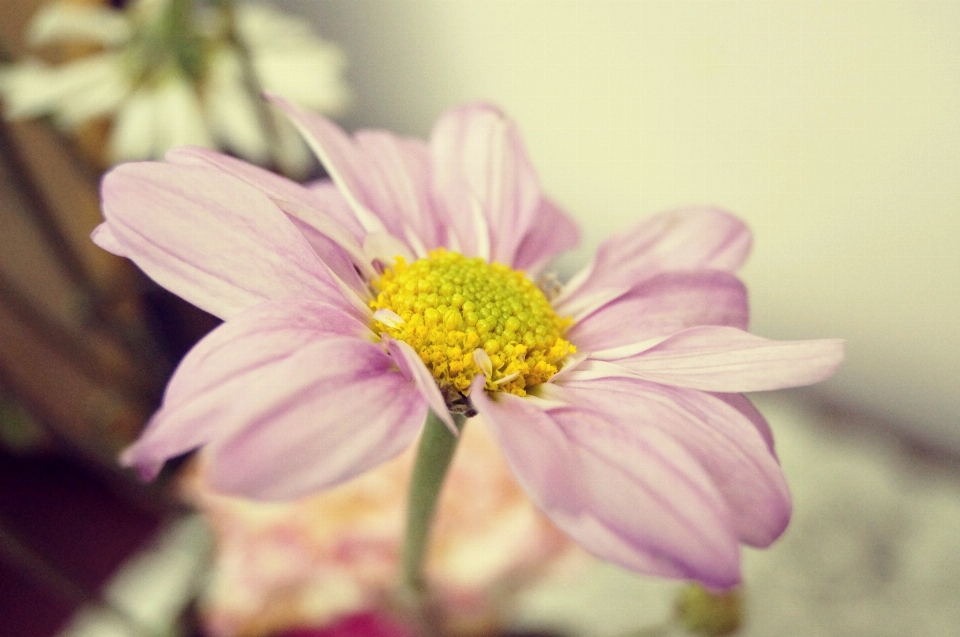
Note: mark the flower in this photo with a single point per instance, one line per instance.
(639, 446)
(313, 561)
(168, 79)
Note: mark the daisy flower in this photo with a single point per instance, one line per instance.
(169, 74)
(406, 285)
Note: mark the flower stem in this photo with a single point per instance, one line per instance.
(437, 445)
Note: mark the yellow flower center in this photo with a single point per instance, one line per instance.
(465, 316)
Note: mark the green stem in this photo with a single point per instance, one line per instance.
(174, 23)
(179, 12)
(437, 445)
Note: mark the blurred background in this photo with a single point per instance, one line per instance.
(832, 128)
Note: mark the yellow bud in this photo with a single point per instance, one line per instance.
(452, 305)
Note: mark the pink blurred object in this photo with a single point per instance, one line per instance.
(358, 625)
(324, 559)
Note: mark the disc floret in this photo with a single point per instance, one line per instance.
(465, 316)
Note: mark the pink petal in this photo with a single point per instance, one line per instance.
(344, 162)
(413, 369)
(663, 305)
(628, 494)
(341, 252)
(326, 222)
(210, 238)
(725, 359)
(103, 236)
(690, 239)
(397, 185)
(335, 206)
(274, 186)
(384, 178)
(331, 411)
(479, 163)
(724, 442)
(225, 364)
(742, 404)
(342, 263)
(551, 233)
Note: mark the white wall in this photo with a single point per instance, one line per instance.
(832, 128)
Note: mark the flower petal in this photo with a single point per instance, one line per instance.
(157, 117)
(92, 87)
(335, 206)
(295, 433)
(742, 404)
(179, 115)
(397, 185)
(28, 89)
(283, 72)
(413, 369)
(72, 93)
(66, 22)
(321, 199)
(272, 184)
(723, 359)
(552, 232)
(635, 497)
(216, 241)
(342, 160)
(727, 445)
(133, 134)
(312, 210)
(231, 109)
(334, 246)
(379, 174)
(285, 50)
(478, 158)
(689, 239)
(663, 305)
(103, 236)
(227, 363)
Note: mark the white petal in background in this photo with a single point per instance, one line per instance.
(63, 22)
(166, 108)
(157, 117)
(97, 86)
(179, 107)
(231, 112)
(73, 93)
(27, 89)
(133, 136)
(289, 60)
(309, 75)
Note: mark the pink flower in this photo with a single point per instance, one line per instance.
(616, 404)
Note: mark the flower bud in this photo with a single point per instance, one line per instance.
(704, 612)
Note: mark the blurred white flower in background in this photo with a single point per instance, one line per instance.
(168, 73)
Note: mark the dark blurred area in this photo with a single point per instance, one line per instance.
(86, 346)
